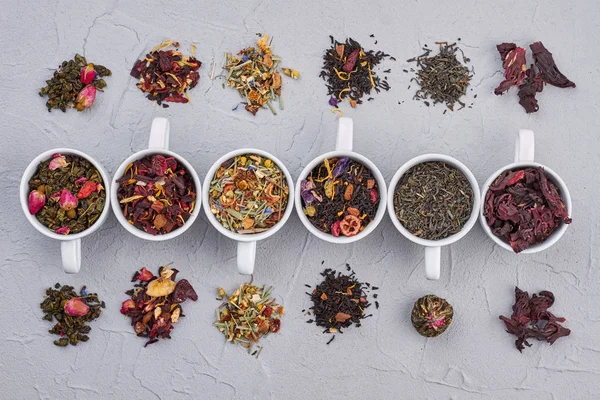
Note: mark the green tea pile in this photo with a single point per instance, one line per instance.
(72, 313)
(248, 315)
(74, 84)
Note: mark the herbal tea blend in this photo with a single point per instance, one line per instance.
(529, 81)
(157, 194)
(253, 72)
(523, 207)
(167, 75)
(532, 320)
(74, 84)
(72, 312)
(66, 194)
(348, 71)
(248, 315)
(431, 315)
(340, 301)
(249, 194)
(155, 303)
(433, 200)
(442, 77)
(340, 196)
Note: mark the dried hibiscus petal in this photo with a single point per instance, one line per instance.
(184, 291)
(513, 62)
(548, 69)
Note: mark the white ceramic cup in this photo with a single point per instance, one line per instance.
(246, 244)
(70, 246)
(524, 154)
(343, 148)
(433, 247)
(158, 144)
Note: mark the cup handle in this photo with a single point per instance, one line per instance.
(432, 262)
(246, 254)
(159, 134)
(344, 134)
(525, 146)
(71, 255)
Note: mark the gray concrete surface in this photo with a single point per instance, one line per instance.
(385, 358)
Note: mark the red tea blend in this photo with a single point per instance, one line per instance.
(340, 196)
(524, 207)
(167, 75)
(532, 320)
(157, 194)
(155, 303)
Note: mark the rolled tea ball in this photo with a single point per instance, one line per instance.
(431, 315)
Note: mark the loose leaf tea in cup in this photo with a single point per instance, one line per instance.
(157, 194)
(340, 196)
(66, 194)
(74, 84)
(348, 71)
(155, 303)
(431, 315)
(524, 207)
(532, 320)
(340, 301)
(433, 200)
(442, 78)
(72, 312)
(248, 194)
(247, 315)
(167, 75)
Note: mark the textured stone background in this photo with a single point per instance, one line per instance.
(385, 358)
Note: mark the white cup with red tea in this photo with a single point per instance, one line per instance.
(248, 196)
(66, 213)
(155, 190)
(525, 206)
(340, 195)
(433, 210)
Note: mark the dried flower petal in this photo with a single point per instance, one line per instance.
(145, 275)
(67, 200)
(63, 231)
(75, 307)
(127, 305)
(58, 162)
(86, 98)
(87, 74)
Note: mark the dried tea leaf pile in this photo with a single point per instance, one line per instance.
(66, 194)
(349, 72)
(532, 320)
(167, 75)
(433, 200)
(155, 303)
(340, 196)
(529, 81)
(249, 194)
(340, 301)
(72, 313)
(431, 315)
(524, 207)
(157, 194)
(254, 73)
(442, 77)
(248, 315)
(74, 84)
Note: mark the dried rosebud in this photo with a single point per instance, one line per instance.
(63, 231)
(88, 188)
(58, 162)
(88, 73)
(37, 200)
(127, 305)
(67, 200)
(145, 275)
(75, 307)
(86, 98)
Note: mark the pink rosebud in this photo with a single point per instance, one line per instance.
(81, 180)
(87, 74)
(75, 307)
(58, 162)
(63, 231)
(37, 200)
(86, 98)
(67, 200)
